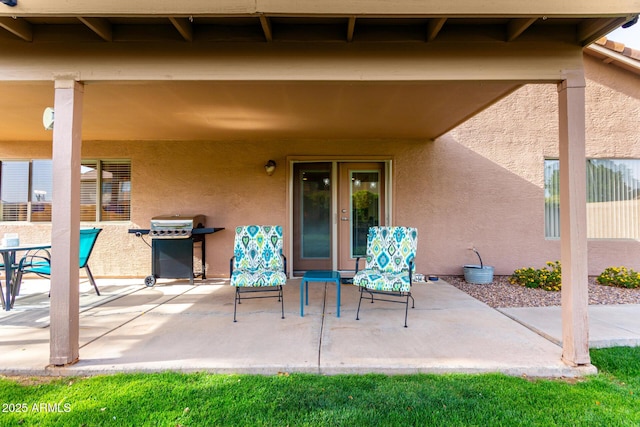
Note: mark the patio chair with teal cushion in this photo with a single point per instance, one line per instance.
(387, 275)
(258, 265)
(39, 262)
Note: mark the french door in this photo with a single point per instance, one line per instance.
(334, 204)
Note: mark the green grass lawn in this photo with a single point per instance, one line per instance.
(611, 398)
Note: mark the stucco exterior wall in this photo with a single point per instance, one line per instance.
(481, 185)
(225, 181)
(513, 138)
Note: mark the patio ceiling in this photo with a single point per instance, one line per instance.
(267, 110)
(176, 110)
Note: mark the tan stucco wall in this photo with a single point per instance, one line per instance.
(480, 185)
(225, 181)
(514, 137)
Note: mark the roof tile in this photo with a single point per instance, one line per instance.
(632, 53)
(619, 48)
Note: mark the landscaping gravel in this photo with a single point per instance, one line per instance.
(501, 293)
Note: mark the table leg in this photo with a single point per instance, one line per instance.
(302, 298)
(8, 272)
(203, 248)
(338, 297)
(2, 296)
(304, 294)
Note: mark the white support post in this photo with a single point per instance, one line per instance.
(65, 223)
(573, 221)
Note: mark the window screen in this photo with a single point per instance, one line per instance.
(26, 190)
(613, 202)
(14, 190)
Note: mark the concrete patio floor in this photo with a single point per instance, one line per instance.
(182, 327)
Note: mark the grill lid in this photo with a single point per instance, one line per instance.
(175, 226)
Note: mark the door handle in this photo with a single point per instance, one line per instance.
(344, 218)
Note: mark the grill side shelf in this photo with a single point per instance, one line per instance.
(139, 231)
(206, 230)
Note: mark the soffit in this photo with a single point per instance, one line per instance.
(254, 110)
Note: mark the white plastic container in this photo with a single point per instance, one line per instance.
(11, 239)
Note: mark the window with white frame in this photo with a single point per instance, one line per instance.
(613, 198)
(26, 190)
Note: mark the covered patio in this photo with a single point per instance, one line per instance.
(154, 71)
(189, 328)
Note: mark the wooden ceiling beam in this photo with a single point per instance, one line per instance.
(460, 8)
(351, 28)
(518, 26)
(184, 27)
(266, 28)
(433, 27)
(18, 27)
(591, 30)
(100, 26)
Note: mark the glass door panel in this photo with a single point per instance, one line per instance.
(312, 216)
(316, 214)
(361, 205)
(365, 208)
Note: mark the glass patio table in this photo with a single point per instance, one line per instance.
(9, 260)
(318, 276)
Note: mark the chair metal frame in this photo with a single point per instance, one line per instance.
(248, 290)
(387, 294)
(401, 297)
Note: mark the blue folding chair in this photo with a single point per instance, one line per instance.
(39, 262)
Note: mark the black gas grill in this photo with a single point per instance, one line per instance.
(173, 239)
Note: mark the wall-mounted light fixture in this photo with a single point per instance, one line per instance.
(10, 2)
(47, 118)
(270, 167)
